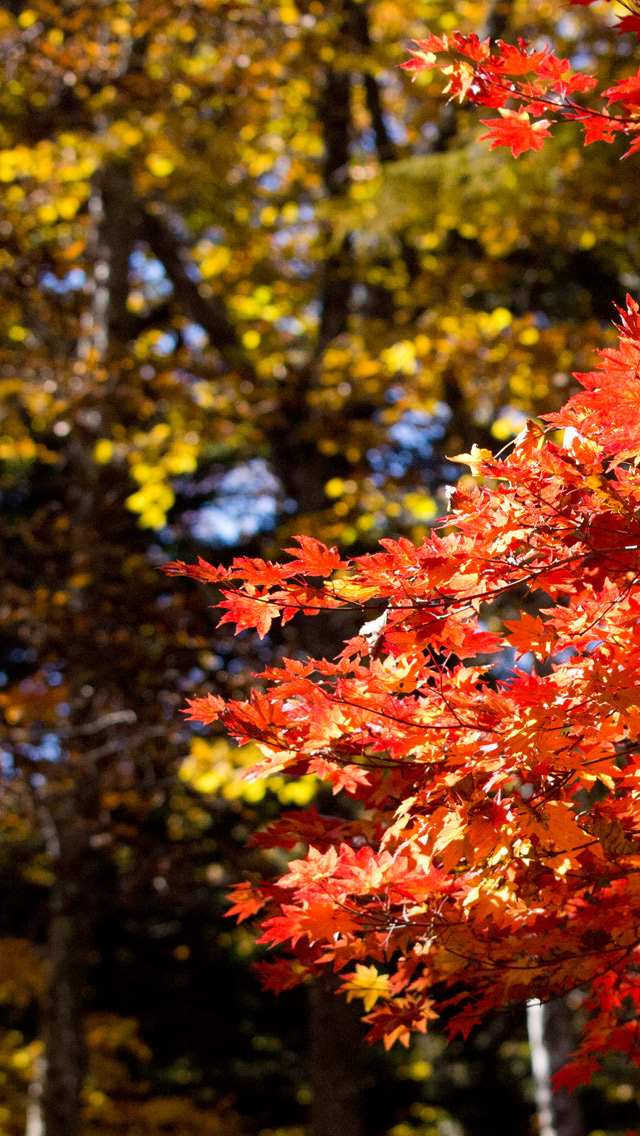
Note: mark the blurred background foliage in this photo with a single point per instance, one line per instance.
(254, 283)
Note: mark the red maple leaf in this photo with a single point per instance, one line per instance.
(529, 633)
(599, 128)
(629, 24)
(625, 90)
(247, 901)
(515, 130)
(315, 558)
(249, 611)
(517, 59)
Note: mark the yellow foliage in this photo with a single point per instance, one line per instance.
(160, 165)
(251, 339)
(217, 767)
(400, 358)
(421, 506)
(22, 977)
(334, 487)
(103, 451)
(27, 18)
(115, 1106)
(215, 259)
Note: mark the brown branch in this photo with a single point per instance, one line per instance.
(113, 320)
(357, 15)
(208, 311)
(334, 111)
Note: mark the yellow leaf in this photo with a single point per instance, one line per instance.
(366, 983)
(160, 165)
(27, 18)
(475, 459)
(334, 487)
(103, 451)
(215, 261)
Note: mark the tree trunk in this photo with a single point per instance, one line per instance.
(336, 1065)
(64, 1040)
(70, 804)
(337, 1050)
(551, 1041)
(72, 911)
(35, 1125)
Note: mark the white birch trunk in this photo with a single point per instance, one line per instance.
(551, 1043)
(35, 1122)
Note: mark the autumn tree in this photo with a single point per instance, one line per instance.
(492, 855)
(493, 859)
(344, 292)
(230, 305)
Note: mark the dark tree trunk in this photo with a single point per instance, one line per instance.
(337, 1050)
(115, 243)
(70, 804)
(335, 115)
(336, 1066)
(64, 1010)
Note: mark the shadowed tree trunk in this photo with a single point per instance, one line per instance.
(335, 1062)
(337, 1050)
(68, 950)
(70, 804)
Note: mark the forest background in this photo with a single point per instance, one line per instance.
(254, 283)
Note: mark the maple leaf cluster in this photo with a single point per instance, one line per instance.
(494, 855)
(531, 90)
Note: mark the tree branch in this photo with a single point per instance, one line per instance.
(357, 14)
(335, 115)
(207, 311)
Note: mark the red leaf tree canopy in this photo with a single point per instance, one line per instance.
(494, 852)
(531, 89)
